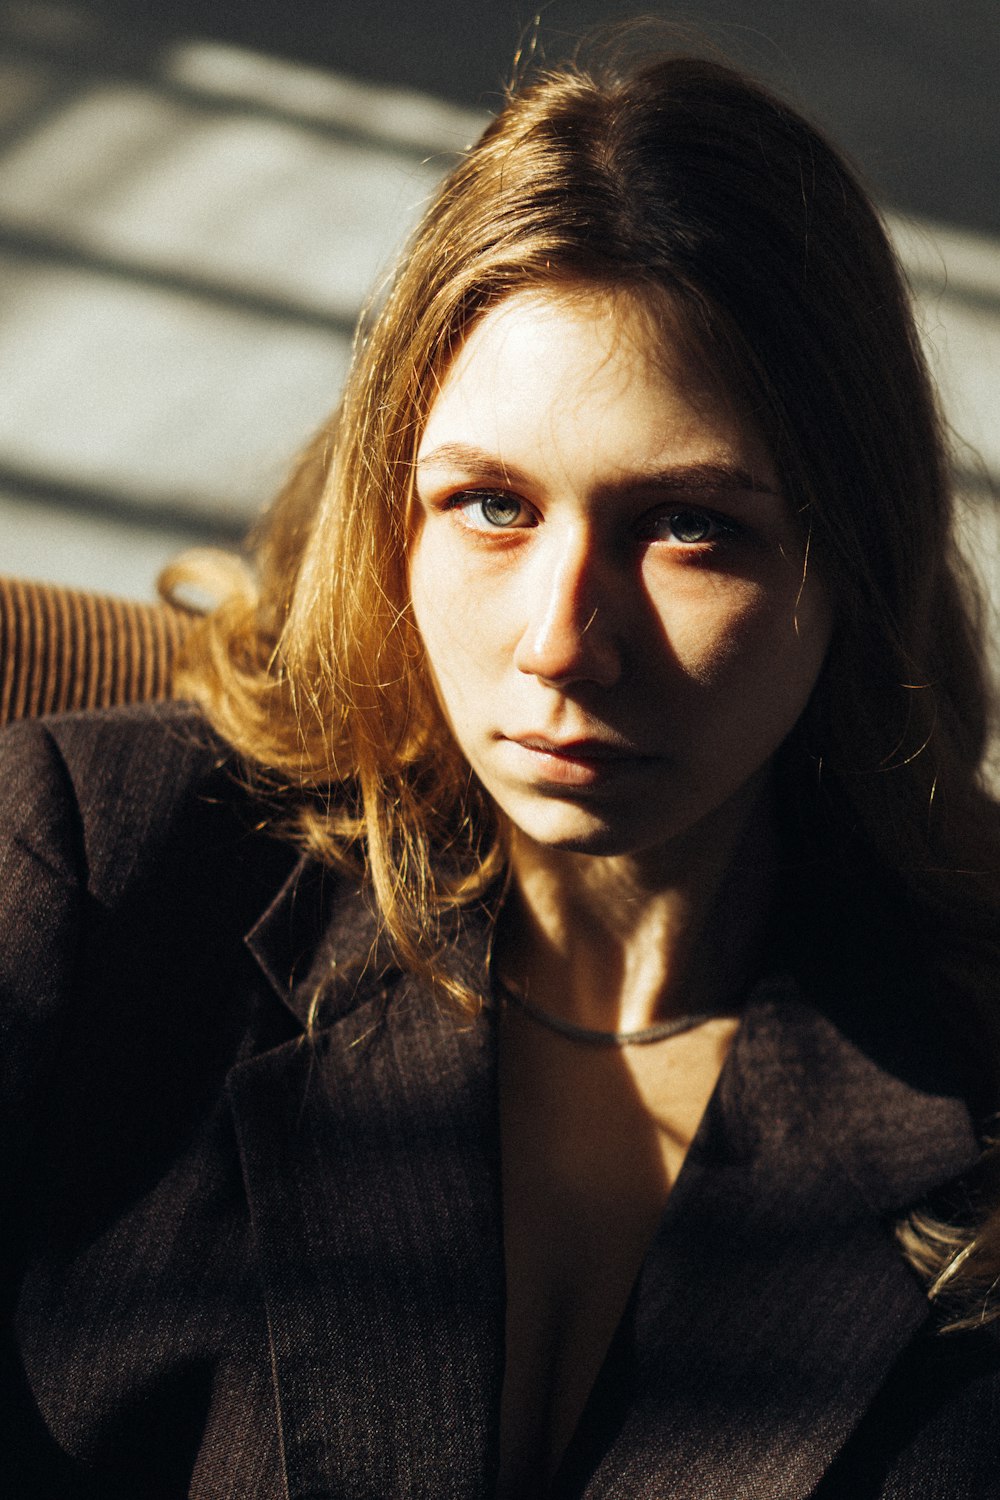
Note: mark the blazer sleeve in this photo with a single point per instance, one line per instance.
(42, 879)
(87, 804)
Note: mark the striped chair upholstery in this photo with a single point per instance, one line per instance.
(63, 648)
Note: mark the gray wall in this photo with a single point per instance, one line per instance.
(195, 200)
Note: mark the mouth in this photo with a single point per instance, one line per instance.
(579, 749)
(582, 762)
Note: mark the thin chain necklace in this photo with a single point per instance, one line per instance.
(591, 1035)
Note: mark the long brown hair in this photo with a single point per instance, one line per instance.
(674, 175)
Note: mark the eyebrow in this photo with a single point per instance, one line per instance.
(682, 478)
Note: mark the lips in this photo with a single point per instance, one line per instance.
(584, 749)
(587, 765)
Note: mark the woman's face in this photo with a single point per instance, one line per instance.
(612, 595)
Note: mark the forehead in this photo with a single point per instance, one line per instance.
(585, 370)
(605, 322)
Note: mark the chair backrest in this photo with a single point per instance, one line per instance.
(63, 648)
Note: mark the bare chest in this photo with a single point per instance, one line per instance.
(592, 1143)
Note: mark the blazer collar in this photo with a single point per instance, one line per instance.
(770, 1307)
(315, 913)
(774, 1299)
(322, 947)
(370, 1153)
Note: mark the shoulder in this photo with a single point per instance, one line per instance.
(86, 793)
(125, 800)
(131, 865)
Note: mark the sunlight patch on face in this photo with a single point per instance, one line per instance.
(613, 597)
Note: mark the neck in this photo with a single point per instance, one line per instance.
(623, 943)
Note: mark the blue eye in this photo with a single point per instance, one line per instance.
(691, 526)
(492, 510)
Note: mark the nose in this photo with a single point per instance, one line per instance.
(573, 608)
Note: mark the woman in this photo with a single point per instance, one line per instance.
(621, 1041)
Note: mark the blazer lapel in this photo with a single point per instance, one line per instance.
(774, 1300)
(768, 1312)
(371, 1159)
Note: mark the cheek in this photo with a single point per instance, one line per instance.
(453, 632)
(759, 653)
(718, 628)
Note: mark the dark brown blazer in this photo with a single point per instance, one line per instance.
(243, 1265)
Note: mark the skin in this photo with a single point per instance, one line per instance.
(616, 610)
(615, 607)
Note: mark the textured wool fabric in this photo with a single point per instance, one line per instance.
(63, 648)
(244, 1264)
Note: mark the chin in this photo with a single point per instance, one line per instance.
(580, 831)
